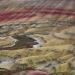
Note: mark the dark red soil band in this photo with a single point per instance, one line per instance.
(31, 12)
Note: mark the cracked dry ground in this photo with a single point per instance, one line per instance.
(42, 43)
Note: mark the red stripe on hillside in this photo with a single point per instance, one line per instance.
(30, 12)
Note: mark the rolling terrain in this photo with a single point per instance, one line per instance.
(37, 35)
